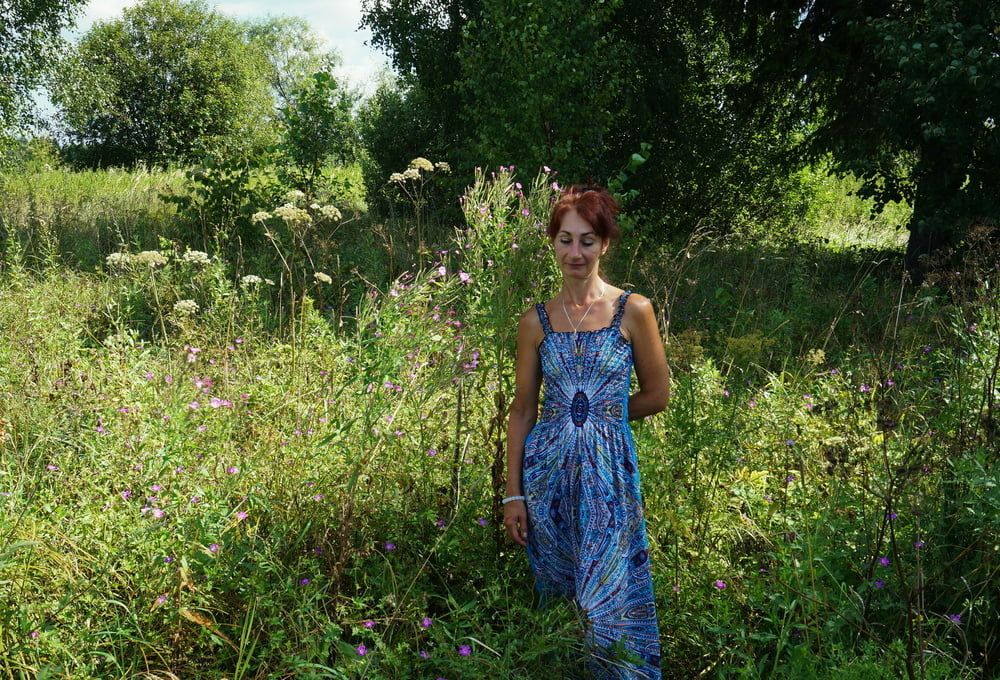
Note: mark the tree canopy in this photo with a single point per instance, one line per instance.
(29, 36)
(167, 81)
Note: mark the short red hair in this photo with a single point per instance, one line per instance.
(594, 204)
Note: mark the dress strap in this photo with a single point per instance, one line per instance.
(616, 322)
(543, 316)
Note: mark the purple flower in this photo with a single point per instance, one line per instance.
(789, 442)
(126, 494)
(157, 513)
(955, 618)
(160, 600)
(389, 545)
(167, 559)
(918, 544)
(884, 561)
(424, 654)
(879, 583)
(483, 521)
(34, 634)
(213, 548)
(720, 584)
(232, 470)
(440, 524)
(369, 624)
(432, 452)
(362, 650)
(463, 277)
(425, 622)
(864, 388)
(304, 581)
(464, 650)
(241, 515)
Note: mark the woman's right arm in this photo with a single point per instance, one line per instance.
(523, 414)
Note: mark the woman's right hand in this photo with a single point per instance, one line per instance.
(515, 518)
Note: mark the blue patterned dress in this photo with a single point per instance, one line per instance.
(586, 530)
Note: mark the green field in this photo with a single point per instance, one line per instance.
(205, 475)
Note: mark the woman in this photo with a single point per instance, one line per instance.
(573, 496)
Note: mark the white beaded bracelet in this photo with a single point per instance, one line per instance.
(508, 499)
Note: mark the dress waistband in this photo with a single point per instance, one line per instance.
(581, 409)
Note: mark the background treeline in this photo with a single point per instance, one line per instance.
(725, 102)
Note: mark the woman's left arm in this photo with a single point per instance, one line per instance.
(650, 360)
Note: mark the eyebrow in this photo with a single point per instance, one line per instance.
(569, 233)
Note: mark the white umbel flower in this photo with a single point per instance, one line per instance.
(185, 307)
(330, 212)
(421, 163)
(251, 280)
(322, 278)
(151, 258)
(196, 257)
(118, 260)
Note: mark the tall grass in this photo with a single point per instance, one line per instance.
(211, 494)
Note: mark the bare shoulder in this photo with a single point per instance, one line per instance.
(529, 326)
(638, 313)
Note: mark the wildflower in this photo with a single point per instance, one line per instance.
(432, 452)
(34, 634)
(213, 548)
(464, 650)
(421, 163)
(390, 546)
(261, 216)
(789, 442)
(918, 544)
(329, 212)
(369, 624)
(411, 173)
(232, 470)
(185, 307)
(169, 379)
(294, 196)
(304, 581)
(879, 583)
(242, 515)
(864, 388)
(884, 561)
(525, 212)
(126, 494)
(160, 600)
(752, 403)
(463, 277)
(193, 405)
(676, 588)
(424, 654)
(118, 260)
(440, 523)
(720, 584)
(362, 650)
(150, 258)
(397, 177)
(167, 559)
(318, 497)
(196, 257)
(482, 521)
(322, 277)
(250, 280)
(157, 513)
(215, 402)
(425, 622)
(955, 618)
(52, 468)
(442, 166)
(293, 215)
(816, 357)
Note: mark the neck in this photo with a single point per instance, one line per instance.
(581, 292)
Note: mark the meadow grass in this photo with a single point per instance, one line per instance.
(269, 487)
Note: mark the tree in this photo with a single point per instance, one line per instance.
(29, 36)
(318, 126)
(904, 97)
(170, 80)
(293, 53)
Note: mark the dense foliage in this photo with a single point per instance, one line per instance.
(29, 36)
(168, 81)
(208, 471)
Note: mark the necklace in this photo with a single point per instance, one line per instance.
(577, 349)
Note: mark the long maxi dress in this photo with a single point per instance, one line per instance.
(586, 529)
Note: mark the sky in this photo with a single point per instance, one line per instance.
(336, 21)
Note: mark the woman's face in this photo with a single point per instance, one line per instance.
(578, 248)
